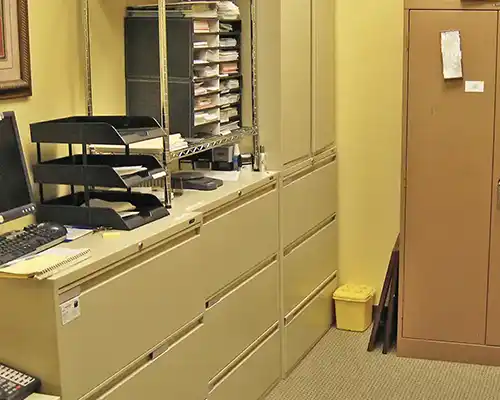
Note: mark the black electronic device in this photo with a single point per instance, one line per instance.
(17, 200)
(194, 180)
(31, 240)
(16, 385)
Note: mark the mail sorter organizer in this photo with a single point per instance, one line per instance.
(97, 174)
(108, 347)
(309, 253)
(450, 232)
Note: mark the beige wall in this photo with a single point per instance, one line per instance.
(369, 57)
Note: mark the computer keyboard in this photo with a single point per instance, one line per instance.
(31, 240)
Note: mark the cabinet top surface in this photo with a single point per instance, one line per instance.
(109, 247)
(451, 5)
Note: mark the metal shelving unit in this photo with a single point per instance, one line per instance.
(204, 145)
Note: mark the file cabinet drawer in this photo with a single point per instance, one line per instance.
(124, 315)
(240, 238)
(309, 200)
(309, 264)
(304, 329)
(179, 373)
(241, 317)
(254, 375)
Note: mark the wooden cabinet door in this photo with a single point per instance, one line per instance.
(493, 319)
(449, 160)
(296, 80)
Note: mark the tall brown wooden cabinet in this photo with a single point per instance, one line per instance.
(450, 286)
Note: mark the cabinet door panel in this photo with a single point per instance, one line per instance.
(493, 323)
(322, 74)
(448, 172)
(296, 79)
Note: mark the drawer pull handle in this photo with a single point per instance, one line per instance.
(239, 193)
(140, 246)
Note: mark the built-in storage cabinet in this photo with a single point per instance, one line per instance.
(323, 107)
(296, 80)
(296, 73)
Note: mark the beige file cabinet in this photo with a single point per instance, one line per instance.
(309, 197)
(306, 266)
(248, 227)
(252, 376)
(308, 323)
(178, 372)
(126, 314)
(130, 296)
(241, 316)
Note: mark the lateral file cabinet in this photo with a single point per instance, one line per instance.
(450, 284)
(309, 232)
(296, 109)
(128, 307)
(176, 372)
(242, 312)
(305, 325)
(187, 307)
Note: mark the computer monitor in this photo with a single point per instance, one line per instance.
(16, 195)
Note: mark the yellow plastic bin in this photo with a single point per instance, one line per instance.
(353, 307)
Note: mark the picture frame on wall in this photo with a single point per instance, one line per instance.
(15, 64)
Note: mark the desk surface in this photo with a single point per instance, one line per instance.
(36, 396)
(186, 212)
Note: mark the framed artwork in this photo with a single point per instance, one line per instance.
(15, 65)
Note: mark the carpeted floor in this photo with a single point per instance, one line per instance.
(339, 367)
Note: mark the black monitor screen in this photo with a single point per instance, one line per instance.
(15, 190)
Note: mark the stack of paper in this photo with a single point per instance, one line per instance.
(201, 118)
(201, 26)
(201, 11)
(230, 98)
(229, 84)
(205, 102)
(226, 129)
(205, 72)
(228, 42)
(228, 113)
(130, 170)
(229, 68)
(200, 44)
(228, 55)
(201, 88)
(228, 10)
(225, 27)
(177, 142)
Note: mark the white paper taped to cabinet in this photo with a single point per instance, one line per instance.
(451, 53)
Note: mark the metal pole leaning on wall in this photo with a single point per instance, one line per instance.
(162, 32)
(255, 119)
(88, 63)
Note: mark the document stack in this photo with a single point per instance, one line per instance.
(227, 10)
